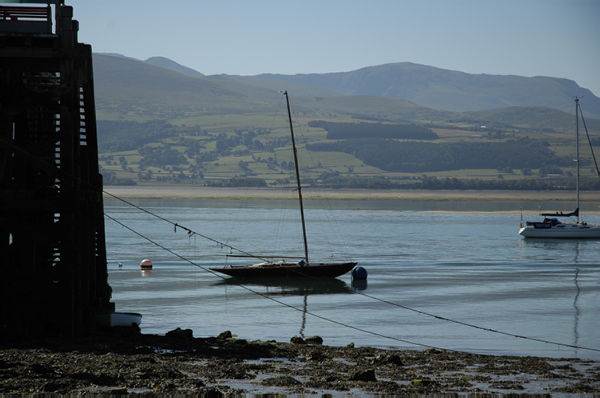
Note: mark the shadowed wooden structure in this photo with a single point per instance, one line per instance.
(53, 272)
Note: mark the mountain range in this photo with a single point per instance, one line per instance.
(451, 90)
(159, 88)
(430, 87)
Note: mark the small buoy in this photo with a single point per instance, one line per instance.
(146, 264)
(359, 273)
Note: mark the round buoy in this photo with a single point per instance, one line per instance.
(359, 273)
(146, 264)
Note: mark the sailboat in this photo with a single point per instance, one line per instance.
(282, 268)
(551, 226)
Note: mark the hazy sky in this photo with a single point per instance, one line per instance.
(247, 37)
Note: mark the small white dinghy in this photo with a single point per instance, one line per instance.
(114, 319)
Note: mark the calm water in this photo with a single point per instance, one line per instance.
(435, 279)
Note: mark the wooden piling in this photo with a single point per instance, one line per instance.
(53, 271)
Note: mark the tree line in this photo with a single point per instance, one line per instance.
(435, 183)
(338, 181)
(116, 136)
(347, 131)
(419, 157)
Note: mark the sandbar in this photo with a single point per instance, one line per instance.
(201, 192)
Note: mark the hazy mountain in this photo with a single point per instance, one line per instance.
(168, 64)
(117, 55)
(124, 85)
(451, 90)
(129, 86)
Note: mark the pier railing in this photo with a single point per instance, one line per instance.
(20, 19)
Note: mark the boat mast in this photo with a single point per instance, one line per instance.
(297, 178)
(577, 145)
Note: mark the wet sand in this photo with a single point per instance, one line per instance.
(199, 192)
(123, 361)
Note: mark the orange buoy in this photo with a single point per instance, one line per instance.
(146, 264)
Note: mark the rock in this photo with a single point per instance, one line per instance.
(281, 381)
(422, 382)
(314, 340)
(317, 357)
(183, 334)
(128, 331)
(395, 360)
(388, 360)
(225, 335)
(51, 387)
(40, 369)
(136, 328)
(212, 392)
(297, 340)
(238, 342)
(363, 375)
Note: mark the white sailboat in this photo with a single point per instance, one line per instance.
(551, 226)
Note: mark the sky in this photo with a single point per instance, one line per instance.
(557, 38)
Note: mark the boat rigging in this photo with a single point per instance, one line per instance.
(551, 226)
(282, 268)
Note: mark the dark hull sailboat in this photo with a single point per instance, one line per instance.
(287, 270)
(282, 269)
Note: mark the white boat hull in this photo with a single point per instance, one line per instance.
(562, 231)
(119, 319)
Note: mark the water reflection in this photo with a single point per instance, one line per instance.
(576, 308)
(286, 286)
(293, 287)
(359, 285)
(304, 310)
(565, 248)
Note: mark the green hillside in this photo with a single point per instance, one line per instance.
(158, 126)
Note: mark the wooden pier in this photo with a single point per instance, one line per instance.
(53, 271)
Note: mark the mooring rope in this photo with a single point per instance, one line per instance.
(175, 225)
(266, 296)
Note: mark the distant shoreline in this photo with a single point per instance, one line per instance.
(200, 192)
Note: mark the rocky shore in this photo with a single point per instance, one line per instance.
(124, 361)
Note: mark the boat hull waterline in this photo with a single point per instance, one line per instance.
(322, 270)
(565, 231)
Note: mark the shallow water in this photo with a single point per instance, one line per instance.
(460, 281)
